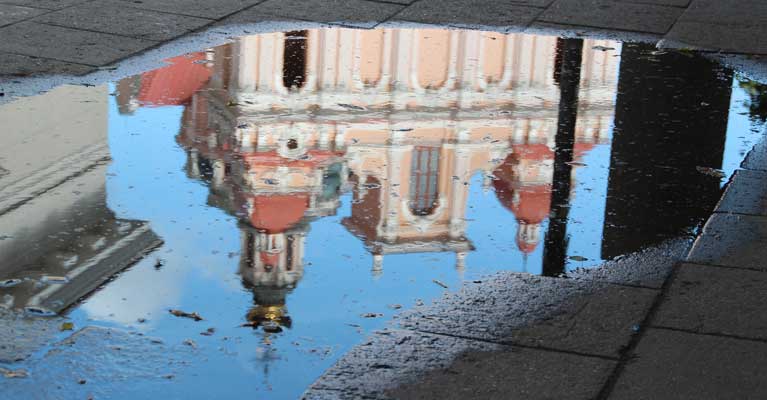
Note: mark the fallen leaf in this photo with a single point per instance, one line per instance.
(67, 326)
(184, 314)
(439, 283)
(14, 373)
(716, 173)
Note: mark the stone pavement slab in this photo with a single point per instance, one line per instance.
(195, 8)
(470, 13)
(10, 13)
(610, 14)
(670, 3)
(45, 4)
(358, 13)
(732, 240)
(716, 300)
(112, 363)
(113, 16)
(601, 323)
(252, 15)
(363, 372)
(554, 313)
(746, 194)
(91, 48)
(739, 12)
(512, 374)
(680, 365)
(732, 26)
(648, 267)
(18, 65)
(714, 37)
(756, 159)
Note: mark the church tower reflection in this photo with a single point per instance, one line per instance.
(280, 125)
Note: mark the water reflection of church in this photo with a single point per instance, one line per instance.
(281, 124)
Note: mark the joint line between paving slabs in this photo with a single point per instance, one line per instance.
(714, 334)
(44, 58)
(512, 344)
(628, 351)
(729, 267)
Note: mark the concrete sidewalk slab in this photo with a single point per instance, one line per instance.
(746, 194)
(91, 48)
(679, 365)
(111, 16)
(357, 13)
(756, 159)
(609, 14)
(716, 300)
(568, 315)
(18, 65)
(469, 13)
(514, 374)
(363, 373)
(601, 323)
(732, 240)
(11, 13)
(195, 8)
(45, 4)
(714, 37)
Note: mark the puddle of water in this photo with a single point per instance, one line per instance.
(296, 189)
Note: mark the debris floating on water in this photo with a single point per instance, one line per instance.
(351, 107)
(14, 373)
(578, 258)
(439, 283)
(184, 314)
(67, 326)
(371, 315)
(716, 173)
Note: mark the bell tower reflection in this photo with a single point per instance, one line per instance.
(404, 119)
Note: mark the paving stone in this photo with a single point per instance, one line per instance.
(648, 267)
(18, 65)
(251, 15)
(196, 8)
(45, 4)
(470, 13)
(715, 37)
(733, 12)
(389, 357)
(732, 240)
(10, 13)
(20, 336)
(679, 365)
(756, 159)
(72, 45)
(574, 31)
(114, 17)
(614, 15)
(669, 3)
(746, 194)
(716, 300)
(579, 316)
(114, 363)
(359, 13)
(600, 323)
(515, 374)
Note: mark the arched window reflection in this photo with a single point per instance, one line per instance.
(294, 60)
(424, 172)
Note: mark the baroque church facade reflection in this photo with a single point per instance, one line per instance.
(280, 125)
